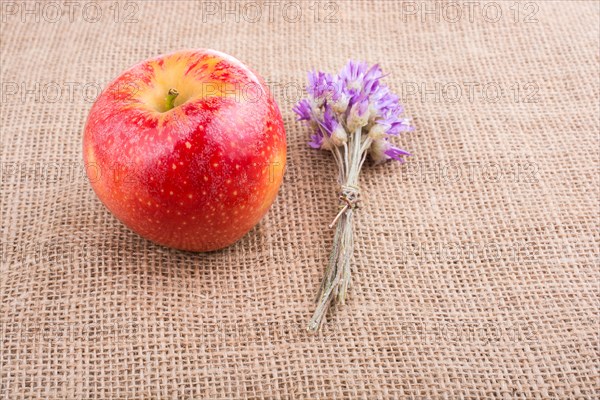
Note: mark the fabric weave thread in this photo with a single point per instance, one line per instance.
(476, 264)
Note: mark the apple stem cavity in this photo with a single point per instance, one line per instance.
(170, 99)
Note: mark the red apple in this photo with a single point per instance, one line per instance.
(187, 149)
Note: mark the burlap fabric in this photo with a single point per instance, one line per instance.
(475, 271)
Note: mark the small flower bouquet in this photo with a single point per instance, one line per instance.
(351, 114)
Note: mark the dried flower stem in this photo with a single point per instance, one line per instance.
(351, 114)
(337, 275)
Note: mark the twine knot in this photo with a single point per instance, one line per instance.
(350, 196)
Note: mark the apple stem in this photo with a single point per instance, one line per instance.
(170, 99)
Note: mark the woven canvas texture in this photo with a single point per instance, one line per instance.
(475, 272)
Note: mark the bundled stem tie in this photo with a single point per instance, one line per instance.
(350, 196)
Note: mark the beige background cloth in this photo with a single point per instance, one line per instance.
(476, 263)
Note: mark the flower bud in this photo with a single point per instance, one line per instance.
(378, 149)
(339, 136)
(359, 115)
(341, 105)
(378, 131)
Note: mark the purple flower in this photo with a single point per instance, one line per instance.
(352, 71)
(396, 153)
(329, 122)
(316, 140)
(358, 79)
(358, 115)
(382, 150)
(319, 84)
(352, 100)
(398, 125)
(303, 109)
(325, 125)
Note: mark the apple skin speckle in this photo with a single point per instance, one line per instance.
(197, 176)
